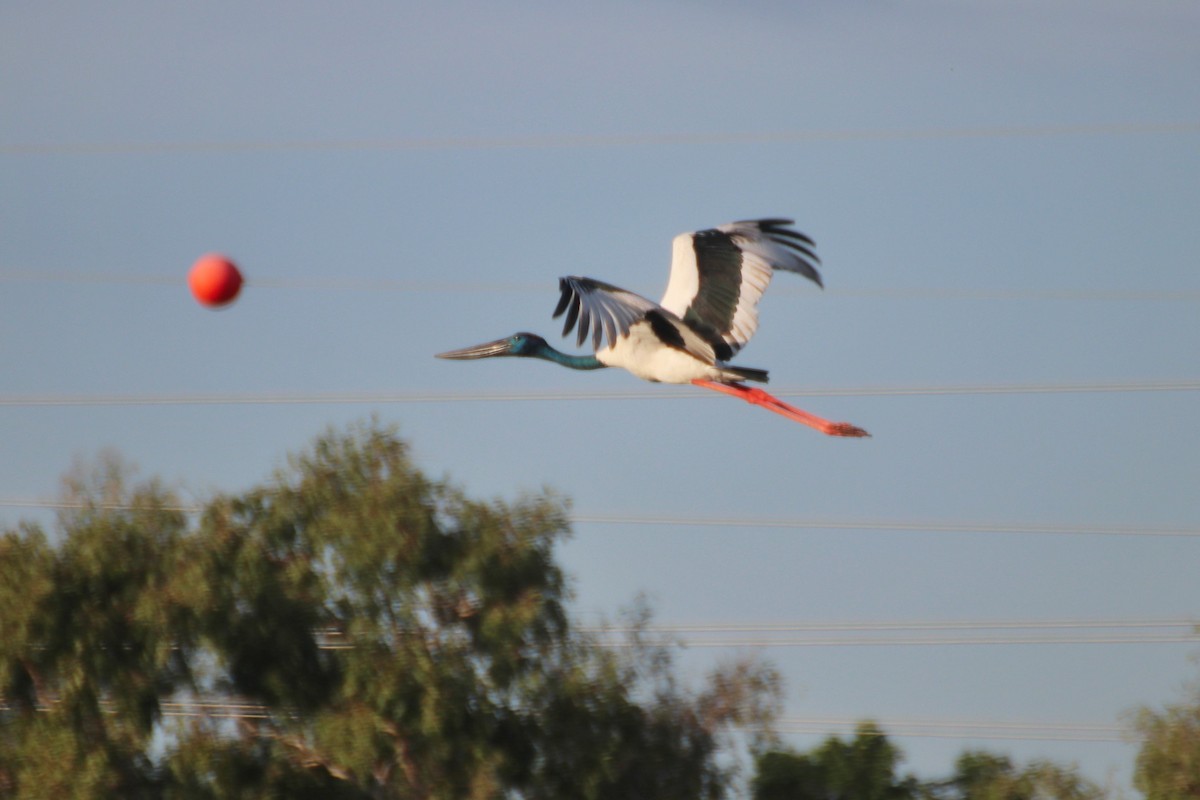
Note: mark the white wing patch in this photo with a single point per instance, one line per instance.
(719, 275)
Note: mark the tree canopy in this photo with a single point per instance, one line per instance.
(350, 629)
(864, 768)
(1168, 762)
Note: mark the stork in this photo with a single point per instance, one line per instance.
(709, 312)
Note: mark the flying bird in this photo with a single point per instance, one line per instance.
(708, 314)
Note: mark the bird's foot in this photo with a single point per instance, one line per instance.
(845, 429)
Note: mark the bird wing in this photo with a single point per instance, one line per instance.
(718, 276)
(612, 308)
(609, 312)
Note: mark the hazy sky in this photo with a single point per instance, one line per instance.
(1002, 193)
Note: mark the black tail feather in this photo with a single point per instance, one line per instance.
(748, 373)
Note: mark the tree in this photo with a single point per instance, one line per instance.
(981, 775)
(1168, 763)
(351, 629)
(91, 637)
(863, 768)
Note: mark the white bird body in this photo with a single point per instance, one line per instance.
(708, 313)
(642, 353)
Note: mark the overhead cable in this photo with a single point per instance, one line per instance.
(376, 285)
(743, 523)
(659, 393)
(574, 141)
(214, 709)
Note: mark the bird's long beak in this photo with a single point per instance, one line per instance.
(500, 347)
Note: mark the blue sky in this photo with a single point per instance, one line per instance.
(1002, 194)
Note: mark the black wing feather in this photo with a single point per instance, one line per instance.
(598, 308)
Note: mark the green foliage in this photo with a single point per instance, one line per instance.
(91, 639)
(986, 776)
(864, 768)
(393, 637)
(1168, 763)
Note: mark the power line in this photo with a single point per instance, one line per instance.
(894, 625)
(578, 141)
(741, 523)
(797, 725)
(935, 728)
(928, 641)
(947, 293)
(325, 284)
(931, 633)
(30, 275)
(920, 526)
(960, 729)
(336, 643)
(911, 633)
(660, 393)
(67, 505)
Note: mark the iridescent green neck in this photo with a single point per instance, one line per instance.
(571, 362)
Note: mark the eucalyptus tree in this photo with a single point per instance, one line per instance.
(351, 628)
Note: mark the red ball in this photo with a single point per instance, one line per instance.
(215, 280)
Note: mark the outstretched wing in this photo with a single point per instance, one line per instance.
(612, 309)
(718, 276)
(613, 313)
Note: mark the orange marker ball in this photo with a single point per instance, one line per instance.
(215, 280)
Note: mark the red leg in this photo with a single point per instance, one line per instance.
(759, 397)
